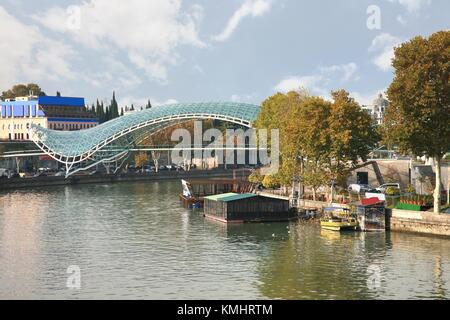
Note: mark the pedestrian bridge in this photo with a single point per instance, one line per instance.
(80, 150)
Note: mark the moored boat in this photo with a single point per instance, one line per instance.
(338, 219)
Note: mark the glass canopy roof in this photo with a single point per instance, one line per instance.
(65, 144)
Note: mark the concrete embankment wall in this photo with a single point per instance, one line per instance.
(420, 222)
(18, 183)
(403, 220)
(319, 204)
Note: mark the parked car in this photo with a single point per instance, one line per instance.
(359, 188)
(6, 173)
(147, 169)
(383, 187)
(60, 174)
(40, 174)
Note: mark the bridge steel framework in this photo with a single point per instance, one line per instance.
(111, 141)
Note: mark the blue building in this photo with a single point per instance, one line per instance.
(52, 112)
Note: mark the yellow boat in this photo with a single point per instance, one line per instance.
(340, 222)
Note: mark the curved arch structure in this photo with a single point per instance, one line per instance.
(80, 150)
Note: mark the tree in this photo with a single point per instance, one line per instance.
(58, 94)
(353, 135)
(313, 140)
(419, 113)
(149, 105)
(270, 182)
(156, 155)
(280, 112)
(121, 111)
(114, 108)
(315, 175)
(320, 140)
(22, 90)
(100, 112)
(141, 159)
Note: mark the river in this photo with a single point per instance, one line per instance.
(135, 241)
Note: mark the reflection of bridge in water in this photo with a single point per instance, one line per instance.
(113, 140)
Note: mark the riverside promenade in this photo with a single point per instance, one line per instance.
(21, 183)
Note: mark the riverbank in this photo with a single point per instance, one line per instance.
(420, 222)
(23, 183)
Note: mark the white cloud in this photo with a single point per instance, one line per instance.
(148, 32)
(367, 98)
(347, 71)
(401, 20)
(413, 6)
(118, 75)
(247, 98)
(142, 102)
(383, 47)
(197, 68)
(321, 82)
(26, 55)
(253, 8)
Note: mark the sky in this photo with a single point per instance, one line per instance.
(208, 50)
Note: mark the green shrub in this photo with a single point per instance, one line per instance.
(392, 191)
(270, 182)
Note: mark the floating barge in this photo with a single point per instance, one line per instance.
(194, 191)
(247, 207)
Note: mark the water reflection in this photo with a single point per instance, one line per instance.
(134, 240)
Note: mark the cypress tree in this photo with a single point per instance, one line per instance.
(149, 104)
(114, 110)
(102, 113)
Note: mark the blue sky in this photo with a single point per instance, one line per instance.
(208, 50)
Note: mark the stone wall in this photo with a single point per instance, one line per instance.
(420, 222)
(391, 170)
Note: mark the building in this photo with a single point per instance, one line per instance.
(52, 112)
(377, 109)
(247, 207)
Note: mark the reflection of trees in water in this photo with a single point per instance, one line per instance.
(438, 282)
(316, 264)
(425, 260)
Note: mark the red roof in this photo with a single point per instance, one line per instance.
(371, 201)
